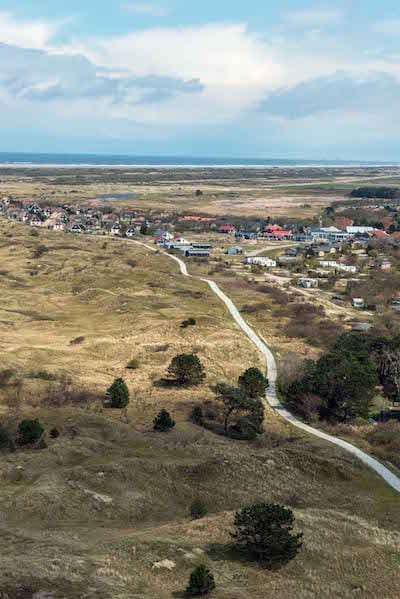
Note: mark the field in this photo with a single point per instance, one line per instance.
(103, 511)
(290, 192)
(86, 307)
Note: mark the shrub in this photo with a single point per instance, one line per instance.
(29, 431)
(39, 251)
(264, 532)
(198, 509)
(119, 394)
(34, 233)
(187, 370)
(4, 438)
(201, 582)
(163, 422)
(77, 341)
(197, 415)
(54, 433)
(190, 322)
(133, 364)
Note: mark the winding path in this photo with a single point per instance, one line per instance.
(271, 394)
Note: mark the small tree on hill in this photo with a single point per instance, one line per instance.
(233, 399)
(264, 532)
(29, 431)
(119, 394)
(198, 509)
(163, 422)
(253, 383)
(197, 415)
(187, 370)
(4, 438)
(201, 582)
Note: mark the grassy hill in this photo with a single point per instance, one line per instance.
(99, 511)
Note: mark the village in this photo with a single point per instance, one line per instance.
(331, 259)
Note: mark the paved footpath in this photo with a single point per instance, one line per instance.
(271, 394)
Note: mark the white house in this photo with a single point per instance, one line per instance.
(261, 261)
(308, 283)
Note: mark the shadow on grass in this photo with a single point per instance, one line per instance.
(223, 552)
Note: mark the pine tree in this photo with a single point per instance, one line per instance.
(163, 422)
(29, 431)
(201, 582)
(253, 383)
(119, 394)
(187, 370)
(264, 532)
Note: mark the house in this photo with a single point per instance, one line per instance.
(308, 283)
(131, 232)
(178, 240)
(382, 263)
(193, 253)
(202, 246)
(261, 261)
(246, 235)
(165, 235)
(58, 226)
(235, 250)
(356, 230)
(278, 235)
(227, 229)
(35, 221)
(338, 266)
(358, 303)
(379, 234)
(77, 228)
(116, 230)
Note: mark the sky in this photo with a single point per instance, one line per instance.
(288, 79)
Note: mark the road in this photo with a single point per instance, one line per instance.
(271, 395)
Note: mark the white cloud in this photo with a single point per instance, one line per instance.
(26, 34)
(146, 8)
(313, 17)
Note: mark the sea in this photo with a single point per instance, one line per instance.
(34, 160)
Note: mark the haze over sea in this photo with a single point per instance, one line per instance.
(21, 159)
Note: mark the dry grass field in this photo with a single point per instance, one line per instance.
(285, 192)
(86, 307)
(97, 513)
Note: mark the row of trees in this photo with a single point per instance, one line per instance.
(384, 193)
(340, 386)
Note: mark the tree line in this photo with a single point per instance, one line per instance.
(341, 384)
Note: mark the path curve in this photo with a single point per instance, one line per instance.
(271, 394)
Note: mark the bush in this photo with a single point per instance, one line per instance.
(54, 433)
(163, 422)
(197, 415)
(201, 582)
(4, 438)
(190, 322)
(119, 394)
(133, 364)
(39, 251)
(187, 370)
(77, 341)
(264, 533)
(29, 431)
(198, 509)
